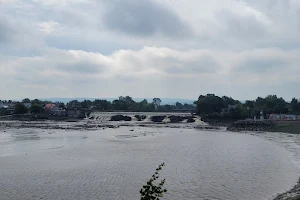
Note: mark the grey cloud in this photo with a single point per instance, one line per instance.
(262, 65)
(241, 27)
(203, 65)
(7, 31)
(81, 67)
(144, 18)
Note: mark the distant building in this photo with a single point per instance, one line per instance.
(8, 108)
(78, 112)
(284, 117)
(3, 105)
(231, 107)
(53, 109)
(74, 113)
(27, 105)
(261, 115)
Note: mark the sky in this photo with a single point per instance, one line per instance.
(149, 48)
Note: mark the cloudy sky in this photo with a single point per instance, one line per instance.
(149, 48)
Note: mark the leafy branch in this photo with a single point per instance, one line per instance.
(153, 190)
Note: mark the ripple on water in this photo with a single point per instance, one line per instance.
(115, 163)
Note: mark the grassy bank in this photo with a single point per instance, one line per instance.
(292, 127)
(287, 127)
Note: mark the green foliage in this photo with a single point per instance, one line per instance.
(86, 104)
(153, 190)
(36, 101)
(156, 102)
(36, 108)
(74, 103)
(120, 105)
(123, 103)
(295, 106)
(102, 104)
(61, 105)
(47, 102)
(20, 109)
(26, 100)
(271, 104)
(212, 106)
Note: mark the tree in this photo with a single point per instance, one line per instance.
(102, 104)
(295, 106)
(156, 102)
(120, 105)
(153, 190)
(20, 109)
(271, 104)
(210, 104)
(178, 105)
(143, 106)
(240, 111)
(36, 101)
(36, 108)
(46, 102)
(228, 101)
(73, 104)
(61, 105)
(26, 100)
(249, 104)
(86, 104)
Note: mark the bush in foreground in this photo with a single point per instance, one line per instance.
(153, 190)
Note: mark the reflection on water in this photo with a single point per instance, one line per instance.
(115, 163)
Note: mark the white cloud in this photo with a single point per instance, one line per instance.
(173, 49)
(48, 27)
(158, 69)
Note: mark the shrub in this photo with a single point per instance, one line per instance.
(153, 190)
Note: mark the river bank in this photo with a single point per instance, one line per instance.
(293, 194)
(292, 127)
(287, 127)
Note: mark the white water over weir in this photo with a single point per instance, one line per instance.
(146, 117)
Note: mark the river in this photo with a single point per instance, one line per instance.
(114, 163)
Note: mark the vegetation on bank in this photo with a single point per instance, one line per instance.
(252, 125)
(213, 108)
(210, 107)
(287, 127)
(266, 126)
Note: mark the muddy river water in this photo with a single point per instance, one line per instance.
(113, 163)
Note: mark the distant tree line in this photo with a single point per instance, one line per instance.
(128, 104)
(121, 104)
(212, 106)
(209, 105)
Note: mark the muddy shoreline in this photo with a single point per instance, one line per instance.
(94, 125)
(292, 194)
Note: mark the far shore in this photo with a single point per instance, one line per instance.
(292, 127)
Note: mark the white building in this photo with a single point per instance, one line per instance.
(2, 105)
(27, 105)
